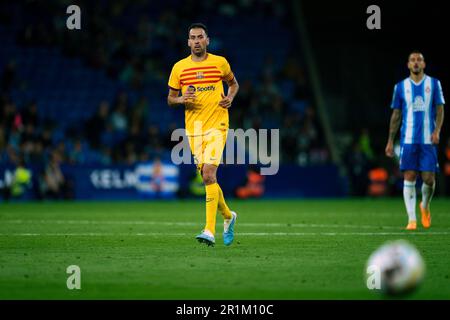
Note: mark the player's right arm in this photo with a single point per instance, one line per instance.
(174, 97)
(395, 121)
(394, 124)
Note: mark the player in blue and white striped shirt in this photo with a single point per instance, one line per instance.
(418, 104)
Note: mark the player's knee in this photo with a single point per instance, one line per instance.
(209, 179)
(209, 175)
(410, 176)
(429, 180)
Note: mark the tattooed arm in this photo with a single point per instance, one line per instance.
(439, 122)
(393, 128)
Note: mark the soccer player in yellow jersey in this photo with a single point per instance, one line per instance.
(196, 83)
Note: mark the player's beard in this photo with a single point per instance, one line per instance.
(417, 70)
(200, 52)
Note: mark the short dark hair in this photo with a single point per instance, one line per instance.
(415, 52)
(198, 25)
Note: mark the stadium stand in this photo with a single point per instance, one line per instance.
(105, 102)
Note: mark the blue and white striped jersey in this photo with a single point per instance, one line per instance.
(418, 102)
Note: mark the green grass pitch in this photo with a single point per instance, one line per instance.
(284, 249)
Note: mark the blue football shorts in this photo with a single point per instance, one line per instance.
(419, 157)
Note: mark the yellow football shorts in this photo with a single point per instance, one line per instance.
(208, 148)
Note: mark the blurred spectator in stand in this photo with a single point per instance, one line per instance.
(318, 152)
(119, 119)
(54, 184)
(61, 150)
(11, 119)
(97, 124)
(267, 92)
(20, 181)
(153, 147)
(254, 186)
(8, 76)
(30, 115)
(28, 137)
(77, 154)
(364, 143)
(157, 177)
(357, 167)
(130, 153)
(243, 99)
(196, 185)
(289, 141)
(140, 112)
(166, 140)
(14, 138)
(294, 72)
(36, 156)
(106, 156)
(268, 69)
(2, 138)
(378, 182)
(46, 138)
(278, 111)
(130, 73)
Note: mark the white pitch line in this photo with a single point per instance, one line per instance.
(257, 234)
(167, 223)
(93, 234)
(340, 233)
(118, 222)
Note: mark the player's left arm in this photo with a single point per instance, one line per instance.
(232, 84)
(233, 88)
(439, 122)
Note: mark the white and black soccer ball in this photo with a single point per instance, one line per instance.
(400, 265)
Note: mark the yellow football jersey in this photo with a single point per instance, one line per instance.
(205, 78)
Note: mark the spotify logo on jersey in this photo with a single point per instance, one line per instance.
(210, 88)
(192, 89)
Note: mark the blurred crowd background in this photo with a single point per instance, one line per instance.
(97, 96)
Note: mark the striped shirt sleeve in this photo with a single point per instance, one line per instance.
(174, 79)
(226, 71)
(396, 101)
(438, 94)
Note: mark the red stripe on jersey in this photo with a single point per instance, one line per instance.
(200, 82)
(199, 68)
(204, 72)
(229, 77)
(207, 77)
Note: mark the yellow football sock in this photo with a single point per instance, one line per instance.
(223, 208)
(212, 200)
